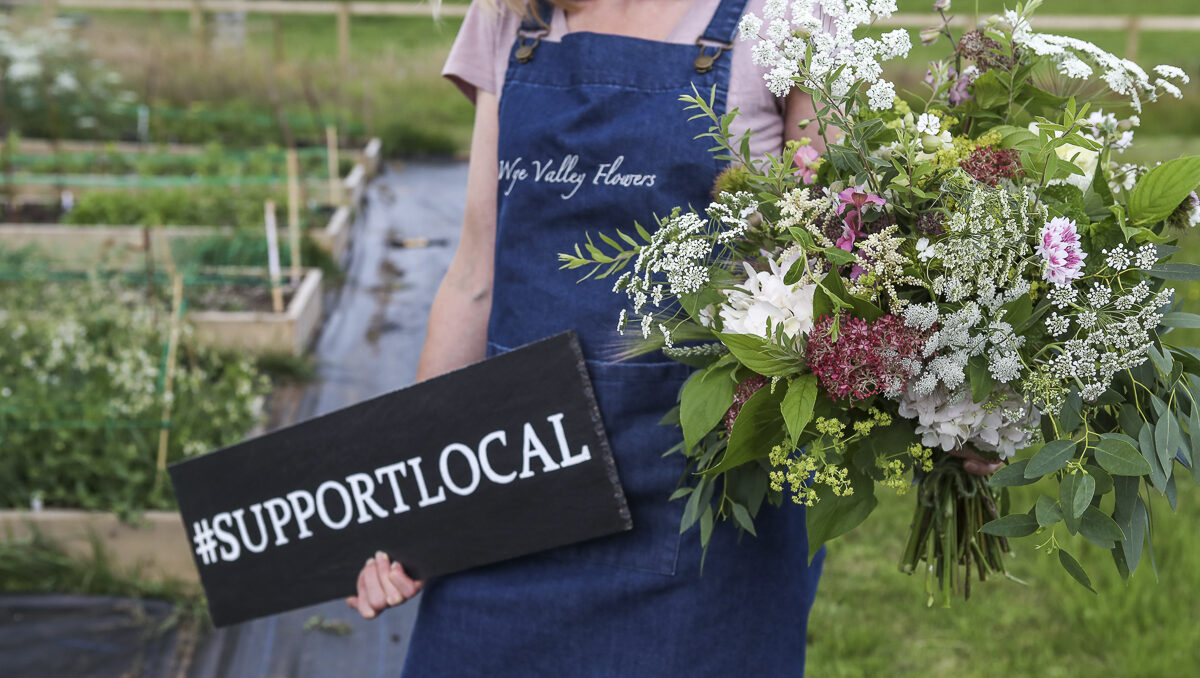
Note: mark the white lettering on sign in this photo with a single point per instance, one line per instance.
(367, 496)
(563, 172)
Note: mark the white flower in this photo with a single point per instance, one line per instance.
(1083, 158)
(951, 419)
(765, 300)
(929, 124)
(925, 251)
(881, 95)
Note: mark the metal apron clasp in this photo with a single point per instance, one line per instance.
(704, 61)
(525, 49)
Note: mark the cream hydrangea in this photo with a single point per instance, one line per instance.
(951, 419)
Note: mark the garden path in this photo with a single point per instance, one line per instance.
(401, 246)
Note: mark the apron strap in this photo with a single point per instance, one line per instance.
(724, 24)
(718, 36)
(534, 26)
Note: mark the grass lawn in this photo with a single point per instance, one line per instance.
(871, 620)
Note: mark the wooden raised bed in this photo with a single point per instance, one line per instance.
(156, 546)
(261, 331)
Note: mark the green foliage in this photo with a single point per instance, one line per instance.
(209, 206)
(82, 403)
(1162, 190)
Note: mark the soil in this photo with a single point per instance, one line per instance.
(31, 213)
(235, 297)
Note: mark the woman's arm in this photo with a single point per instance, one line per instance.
(799, 108)
(457, 333)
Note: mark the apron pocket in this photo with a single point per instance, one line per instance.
(633, 397)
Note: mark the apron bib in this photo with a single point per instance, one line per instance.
(592, 138)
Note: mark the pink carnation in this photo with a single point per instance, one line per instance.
(1060, 249)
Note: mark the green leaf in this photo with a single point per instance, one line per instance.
(1120, 457)
(1099, 529)
(838, 256)
(833, 516)
(1158, 478)
(1075, 493)
(1012, 525)
(1194, 430)
(1135, 538)
(762, 356)
(1104, 482)
(742, 517)
(680, 493)
(706, 398)
(1174, 271)
(1047, 511)
(1074, 569)
(797, 405)
(1163, 188)
(758, 428)
(1012, 475)
(1167, 441)
(1181, 320)
(1053, 456)
(981, 379)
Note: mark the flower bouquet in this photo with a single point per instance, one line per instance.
(974, 273)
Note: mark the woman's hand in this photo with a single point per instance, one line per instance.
(973, 463)
(382, 584)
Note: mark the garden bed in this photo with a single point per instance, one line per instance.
(81, 244)
(154, 545)
(263, 330)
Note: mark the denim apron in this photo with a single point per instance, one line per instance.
(592, 138)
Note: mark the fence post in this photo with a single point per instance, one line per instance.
(196, 23)
(273, 257)
(331, 155)
(1132, 37)
(343, 36)
(49, 10)
(164, 430)
(277, 35)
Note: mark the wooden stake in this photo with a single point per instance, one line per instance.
(49, 10)
(277, 34)
(331, 153)
(164, 431)
(293, 187)
(1133, 37)
(196, 23)
(273, 257)
(343, 36)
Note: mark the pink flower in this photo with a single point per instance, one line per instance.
(806, 159)
(1060, 249)
(853, 201)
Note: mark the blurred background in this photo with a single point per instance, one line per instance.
(218, 218)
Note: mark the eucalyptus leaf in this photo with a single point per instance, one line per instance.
(1180, 319)
(1011, 525)
(1168, 440)
(1099, 529)
(1074, 569)
(1047, 511)
(1012, 475)
(742, 517)
(1075, 493)
(1174, 272)
(1119, 457)
(1053, 456)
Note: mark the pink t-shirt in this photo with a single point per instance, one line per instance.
(479, 59)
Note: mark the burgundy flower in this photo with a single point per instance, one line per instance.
(744, 390)
(867, 357)
(990, 165)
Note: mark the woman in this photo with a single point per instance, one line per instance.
(585, 99)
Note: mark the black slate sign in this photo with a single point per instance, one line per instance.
(493, 461)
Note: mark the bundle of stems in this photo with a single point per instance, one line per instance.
(951, 506)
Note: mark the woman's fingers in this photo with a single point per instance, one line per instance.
(372, 586)
(383, 568)
(399, 578)
(360, 602)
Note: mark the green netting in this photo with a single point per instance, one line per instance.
(136, 181)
